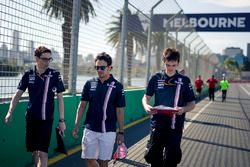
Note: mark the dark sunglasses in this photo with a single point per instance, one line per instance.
(100, 67)
(46, 59)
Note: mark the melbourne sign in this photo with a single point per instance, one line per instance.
(223, 22)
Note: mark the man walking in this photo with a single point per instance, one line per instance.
(198, 86)
(224, 85)
(170, 89)
(106, 101)
(211, 87)
(42, 83)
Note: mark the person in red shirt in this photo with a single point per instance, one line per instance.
(211, 87)
(198, 86)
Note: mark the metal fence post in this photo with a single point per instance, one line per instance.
(149, 40)
(74, 46)
(184, 52)
(122, 41)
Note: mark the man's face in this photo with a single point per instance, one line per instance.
(102, 68)
(44, 60)
(170, 67)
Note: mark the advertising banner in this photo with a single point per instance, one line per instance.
(214, 22)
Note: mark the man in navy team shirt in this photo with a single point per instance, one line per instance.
(106, 100)
(42, 83)
(171, 89)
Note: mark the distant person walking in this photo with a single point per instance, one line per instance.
(42, 83)
(198, 86)
(211, 87)
(106, 101)
(224, 85)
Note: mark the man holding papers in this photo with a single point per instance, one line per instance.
(174, 97)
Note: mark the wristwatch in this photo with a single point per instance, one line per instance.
(61, 120)
(121, 133)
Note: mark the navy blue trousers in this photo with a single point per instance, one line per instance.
(165, 147)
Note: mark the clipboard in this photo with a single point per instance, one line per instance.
(161, 109)
(60, 142)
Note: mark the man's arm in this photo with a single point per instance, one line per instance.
(189, 107)
(79, 115)
(15, 99)
(120, 119)
(61, 111)
(146, 105)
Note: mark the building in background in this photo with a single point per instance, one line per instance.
(4, 52)
(232, 51)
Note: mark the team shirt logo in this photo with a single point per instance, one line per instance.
(93, 86)
(32, 78)
(110, 85)
(179, 82)
(160, 83)
(59, 78)
(169, 82)
(123, 92)
(190, 86)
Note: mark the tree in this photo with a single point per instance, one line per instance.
(133, 38)
(231, 65)
(246, 65)
(62, 9)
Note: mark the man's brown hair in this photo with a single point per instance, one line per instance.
(40, 50)
(170, 54)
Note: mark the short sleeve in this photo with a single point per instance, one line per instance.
(189, 93)
(23, 84)
(60, 85)
(85, 92)
(120, 97)
(150, 90)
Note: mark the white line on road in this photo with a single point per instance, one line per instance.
(245, 90)
(199, 112)
(196, 115)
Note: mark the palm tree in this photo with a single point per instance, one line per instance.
(62, 9)
(133, 38)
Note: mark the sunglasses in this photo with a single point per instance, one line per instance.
(46, 59)
(100, 67)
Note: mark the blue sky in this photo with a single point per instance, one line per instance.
(217, 41)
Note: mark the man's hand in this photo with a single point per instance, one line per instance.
(8, 118)
(75, 132)
(120, 138)
(149, 109)
(62, 126)
(180, 110)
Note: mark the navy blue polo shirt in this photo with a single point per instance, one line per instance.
(103, 100)
(42, 90)
(164, 88)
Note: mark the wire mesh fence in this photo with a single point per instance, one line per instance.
(27, 24)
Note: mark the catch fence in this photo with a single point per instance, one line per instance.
(76, 32)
